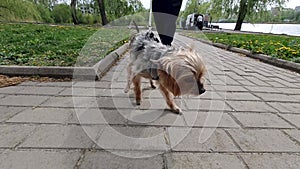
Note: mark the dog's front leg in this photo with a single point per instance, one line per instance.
(137, 89)
(129, 78)
(169, 99)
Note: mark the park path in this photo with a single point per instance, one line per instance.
(248, 118)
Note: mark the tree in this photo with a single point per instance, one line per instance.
(73, 10)
(243, 8)
(102, 12)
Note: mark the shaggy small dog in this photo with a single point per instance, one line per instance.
(178, 71)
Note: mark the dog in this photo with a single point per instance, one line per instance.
(177, 71)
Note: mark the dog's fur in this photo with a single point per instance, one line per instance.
(179, 71)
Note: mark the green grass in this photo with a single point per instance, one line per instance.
(44, 45)
(278, 46)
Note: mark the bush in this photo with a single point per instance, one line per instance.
(19, 10)
(45, 14)
(62, 13)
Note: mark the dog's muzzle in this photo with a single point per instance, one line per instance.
(201, 91)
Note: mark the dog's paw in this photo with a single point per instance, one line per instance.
(177, 110)
(126, 90)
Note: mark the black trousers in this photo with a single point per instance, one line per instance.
(165, 14)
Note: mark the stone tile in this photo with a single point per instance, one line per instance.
(200, 139)
(2, 95)
(11, 135)
(294, 133)
(282, 107)
(276, 84)
(238, 96)
(34, 90)
(272, 161)
(62, 137)
(263, 140)
(276, 97)
(203, 160)
(70, 102)
(92, 84)
(207, 105)
(257, 81)
(99, 116)
(28, 83)
(21, 100)
(156, 118)
(246, 83)
(132, 138)
(293, 118)
(42, 115)
(79, 92)
(8, 112)
(108, 160)
(10, 89)
(263, 120)
(56, 84)
(263, 89)
(250, 106)
(229, 88)
(38, 159)
(209, 119)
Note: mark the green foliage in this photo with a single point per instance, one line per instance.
(19, 10)
(42, 45)
(283, 47)
(61, 13)
(45, 13)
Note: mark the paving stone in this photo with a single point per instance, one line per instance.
(2, 95)
(28, 83)
(264, 120)
(56, 84)
(79, 92)
(293, 118)
(200, 139)
(203, 160)
(34, 90)
(91, 84)
(10, 89)
(238, 96)
(155, 117)
(21, 100)
(63, 137)
(257, 81)
(42, 115)
(229, 88)
(285, 83)
(107, 160)
(272, 161)
(276, 84)
(70, 102)
(8, 112)
(263, 89)
(132, 138)
(11, 135)
(285, 107)
(210, 105)
(294, 133)
(209, 119)
(262, 140)
(99, 116)
(246, 83)
(250, 106)
(38, 159)
(277, 97)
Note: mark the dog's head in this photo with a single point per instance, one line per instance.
(182, 72)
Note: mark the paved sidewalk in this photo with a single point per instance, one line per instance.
(248, 118)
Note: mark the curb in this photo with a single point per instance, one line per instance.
(104, 64)
(90, 73)
(264, 58)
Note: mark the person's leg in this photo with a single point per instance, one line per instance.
(165, 15)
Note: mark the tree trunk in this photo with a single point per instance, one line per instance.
(242, 14)
(73, 8)
(102, 12)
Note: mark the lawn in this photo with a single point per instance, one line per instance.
(46, 45)
(279, 46)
